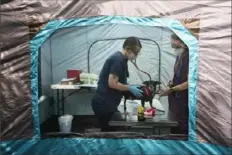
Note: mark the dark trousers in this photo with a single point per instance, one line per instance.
(103, 120)
(176, 130)
(178, 106)
(182, 128)
(102, 114)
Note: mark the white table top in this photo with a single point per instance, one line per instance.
(62, 86)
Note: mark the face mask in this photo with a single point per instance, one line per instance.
(178, 51)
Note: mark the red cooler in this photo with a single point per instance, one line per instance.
(74, 73)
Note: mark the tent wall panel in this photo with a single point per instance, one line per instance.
(15, 98)
(69, 52)
(214, 115)
(45, 81)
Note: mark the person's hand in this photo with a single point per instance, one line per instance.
(165, 92)
(135, 91)
(170, 84)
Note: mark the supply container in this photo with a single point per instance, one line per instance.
(65, 123)
(72, 73)
(131, 110)
(141, 113)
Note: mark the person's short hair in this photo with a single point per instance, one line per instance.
(175, 37)
(132, 43)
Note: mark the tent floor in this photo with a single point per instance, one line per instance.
(79, 124)
(87, 126)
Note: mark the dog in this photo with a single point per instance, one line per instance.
(149, 91)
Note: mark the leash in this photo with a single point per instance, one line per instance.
(134, 63)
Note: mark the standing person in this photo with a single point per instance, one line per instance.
(112, 82)
(177, 90)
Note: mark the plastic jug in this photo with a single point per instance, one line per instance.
(65, 123)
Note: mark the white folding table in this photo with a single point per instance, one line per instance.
(62, 87)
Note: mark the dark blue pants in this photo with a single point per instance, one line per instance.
(103, 116)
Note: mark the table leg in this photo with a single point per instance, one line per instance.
(62, 93)
(51, 103)
(126, 128)
(125, 110)
(58, 102)
(154, 130)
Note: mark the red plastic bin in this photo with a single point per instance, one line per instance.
(71, 73)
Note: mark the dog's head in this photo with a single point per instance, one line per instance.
(152, 85)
